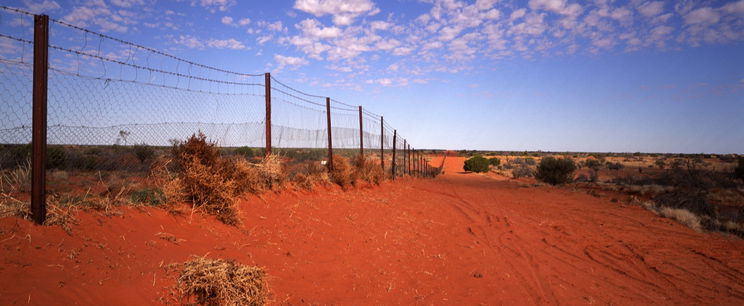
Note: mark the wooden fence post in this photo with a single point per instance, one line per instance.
(39, 118)
(361, 134)
(395, 139)
(267, 94)
(330, 142)
(382, 143)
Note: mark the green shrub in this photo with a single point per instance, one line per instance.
(494, 161)
(149, 196)
(615, 166)
(592, 164)
(555, 171)
(476, 164)
(56, 158)
(246, 152)
(143, 152)
(739, 171)
(529, 161)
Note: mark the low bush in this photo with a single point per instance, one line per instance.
(342, 172)
(555, 170)
(592, 164)
(148, 196)
(522, 171)
(494, 161)
(143, 152)
(204, 178)
(368, 170)
(476, 163)
(615, 166)
(739, 171)
(221, 282)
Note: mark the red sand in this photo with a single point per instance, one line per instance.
(458, 239)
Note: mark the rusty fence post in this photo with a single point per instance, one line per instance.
(39, 118)
(395, 139)
(361, 134)
(405, 158)
(382, 143)
(267, 87)
(330, 142)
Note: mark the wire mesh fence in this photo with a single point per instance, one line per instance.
(114, 106)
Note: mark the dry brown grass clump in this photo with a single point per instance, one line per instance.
(368, 170)
(57, 214)
(342, 172)
(309, 174)
(272, 171)
(222, 282)
(204, 178)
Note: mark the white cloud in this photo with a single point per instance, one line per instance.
(343, 11)
(705, 15)
(225, 44)
(264, 39)
(244, 21)
(734, 8)
(285, 61)
(556, 6)
(227, 20)
(127, 3)
(214, 5)
(194, 43)
(651, 9)
(313, 28)
(41, 7)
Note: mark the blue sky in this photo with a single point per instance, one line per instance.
(627, 76)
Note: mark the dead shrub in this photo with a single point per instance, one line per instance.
(368, 170)
(221, 282)
(308, 174)
(683, 216)
(342, 173)
(272, 172)
(247, 176)
(204, 178)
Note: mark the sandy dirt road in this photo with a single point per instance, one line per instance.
(460, 239)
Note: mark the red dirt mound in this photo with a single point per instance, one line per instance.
(457, 239)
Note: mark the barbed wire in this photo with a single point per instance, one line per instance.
(101, 35)
(177, 74)
(15, 10)
(107, 79)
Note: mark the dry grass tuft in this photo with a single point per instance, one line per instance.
(368, 170)
(247, 177)
(204, 178)
(17, 179)
(57, 213)
(683, 216)
(221, 282)
(342, 173)
(272, 171)
(310, 174)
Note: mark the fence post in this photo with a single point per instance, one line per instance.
(409, 160)
(395, 139)
(382, 143)
(267, 94)
(39, 118)
(405, 157)
(361, 134)
(330, 142)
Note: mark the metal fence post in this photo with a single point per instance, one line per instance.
(405, 157)
(395, 139)
(39, 118)
(361, 134)
(330, 142)
(382, 143)
(267, 87)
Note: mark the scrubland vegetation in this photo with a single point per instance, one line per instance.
(194, 171)
(703, 191)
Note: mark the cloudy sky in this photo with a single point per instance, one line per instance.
(602, 75)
